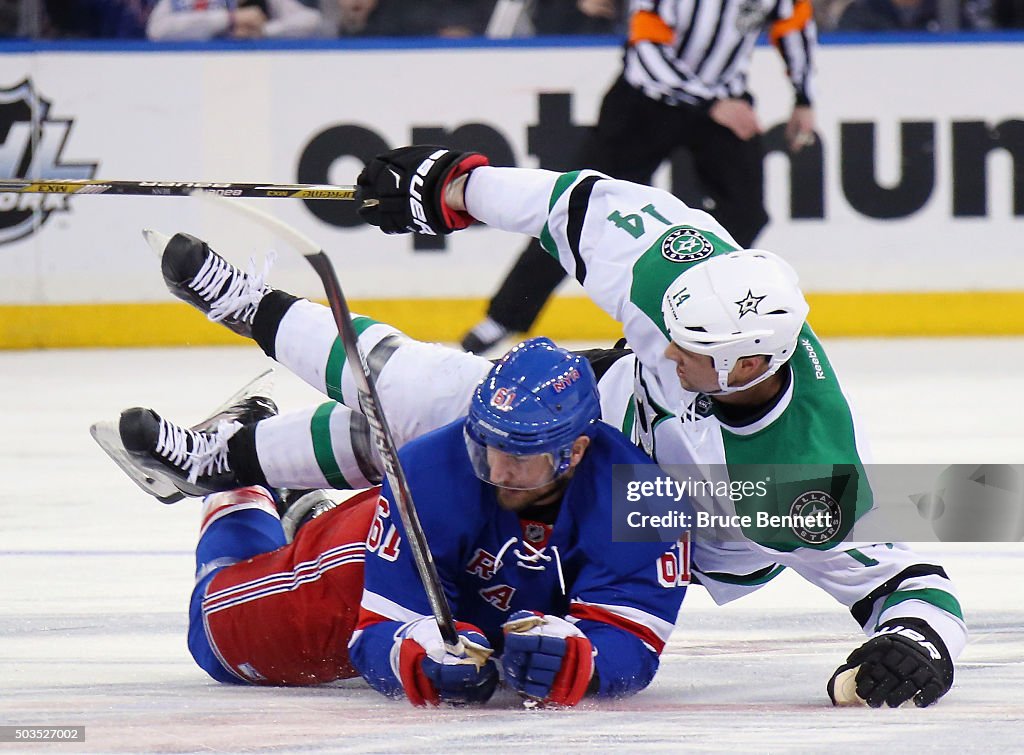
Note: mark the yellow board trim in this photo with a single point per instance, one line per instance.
(966, 313)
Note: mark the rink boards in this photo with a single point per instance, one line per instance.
(905, 218)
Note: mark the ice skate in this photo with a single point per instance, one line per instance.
(195, 460)
(299, 507)
(198, 275)
(484, 336)
(165, 480)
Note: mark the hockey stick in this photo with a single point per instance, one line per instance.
(178, 189)
(369, 402)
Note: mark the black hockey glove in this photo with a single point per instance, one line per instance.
(906, 661)
(403, 190)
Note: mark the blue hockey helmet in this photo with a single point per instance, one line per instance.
(535, 402)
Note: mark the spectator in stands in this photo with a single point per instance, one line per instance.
(244, 19)
(1008, 14)
(400, 18)
(10, 15)
(910, 15)
(577, 16)
(97, 19)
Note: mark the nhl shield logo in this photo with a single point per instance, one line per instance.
(535, 533)
(686, 245)
(31, 144)
(821, 513)
(703, 406)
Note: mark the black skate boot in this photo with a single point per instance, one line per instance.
(195, 273)
(196, 461)
(132, 444)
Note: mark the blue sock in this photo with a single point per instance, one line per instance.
(236, 537)
(232, 538)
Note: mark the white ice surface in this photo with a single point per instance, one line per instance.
(95, 578)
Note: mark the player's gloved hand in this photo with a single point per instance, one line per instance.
(403, 190)
(546, 658)
(430, 673)
(905, 661)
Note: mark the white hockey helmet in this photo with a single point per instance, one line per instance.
(742, 304)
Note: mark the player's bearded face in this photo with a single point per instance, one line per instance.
(515, 477)
(517, 500)
(521, 473)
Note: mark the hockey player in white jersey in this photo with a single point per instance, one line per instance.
(725, 371)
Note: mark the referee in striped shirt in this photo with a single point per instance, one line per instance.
(683, 85)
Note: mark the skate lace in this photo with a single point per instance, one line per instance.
(196, 453)
(231, 292)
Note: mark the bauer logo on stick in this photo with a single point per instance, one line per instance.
(31, 137)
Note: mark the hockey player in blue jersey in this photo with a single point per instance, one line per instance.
(515, 501)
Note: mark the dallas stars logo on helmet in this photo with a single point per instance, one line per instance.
(750, 303)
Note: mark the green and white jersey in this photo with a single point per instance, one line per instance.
(626, 243)
(806, 442)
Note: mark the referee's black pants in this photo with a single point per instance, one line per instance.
(633, 136)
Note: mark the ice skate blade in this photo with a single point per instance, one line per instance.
(109, 439)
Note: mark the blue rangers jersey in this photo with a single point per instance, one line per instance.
(492, 563)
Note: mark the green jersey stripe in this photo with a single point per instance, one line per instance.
(861, 610)
(336, 359)
(938, 598)
(323, 448)
(858, 556)
(562, 184)
(629, 418)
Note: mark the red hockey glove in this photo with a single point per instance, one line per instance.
(402, 191)
(430, 673)
(546, 658)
